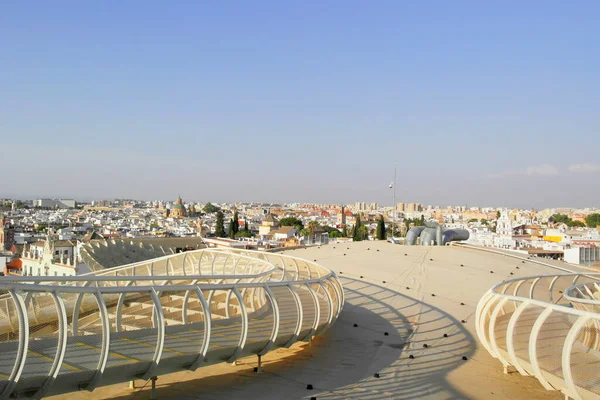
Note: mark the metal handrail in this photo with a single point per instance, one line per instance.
(496, 303)
(255, 283)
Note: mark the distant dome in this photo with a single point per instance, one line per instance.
(178, 210)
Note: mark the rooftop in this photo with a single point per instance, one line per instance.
(414, 294)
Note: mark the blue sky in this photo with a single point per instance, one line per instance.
(480, 103)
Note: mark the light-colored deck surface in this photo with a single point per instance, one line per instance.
(341, 364)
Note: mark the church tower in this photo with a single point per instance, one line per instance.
(503, 225)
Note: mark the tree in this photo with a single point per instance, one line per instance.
(484, 221)
(331, 231)
(415, 221)
(593, 220)
(473, 220)
(357, 233)
(313, 226)
(220, 228)
(380, 229)
(565, 219)
(243, 234)
(364, 232)
(209, 208)
(292, 221)
(335, 234)
(246, 225)
(231, 229)
(558, 218)
(498, 214)
(235, 223)
(344, 231)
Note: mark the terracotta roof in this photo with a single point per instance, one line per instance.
(15, 263)
(270, 218)
(284, 229)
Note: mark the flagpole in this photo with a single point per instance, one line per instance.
(394, 202)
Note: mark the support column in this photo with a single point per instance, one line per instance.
(259, 368)
(153, 390)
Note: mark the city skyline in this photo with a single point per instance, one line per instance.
(478, 104)
(352, 205)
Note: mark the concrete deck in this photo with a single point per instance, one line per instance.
(415, 294)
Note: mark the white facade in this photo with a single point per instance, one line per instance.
(54, 203)
(583, 255)
(284, 233)
(50, 260)
(504, 225)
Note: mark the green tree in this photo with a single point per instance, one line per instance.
(484, 221)
(356, 231)
(231, 229)
(344, 231)
(236, 226)
(242, 234)
(313, 226)
(246, 225)
(473, 220)
(380, 228)
(292, 221)
(558, 218)
(335, 234)
(364, 232)
(577, 224)
(593, 220)
(220, 229)
(210, 208)
(330, 230)
(415, 221)
(498, 214)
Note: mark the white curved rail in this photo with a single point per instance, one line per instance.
(141, 320)
(546, 326)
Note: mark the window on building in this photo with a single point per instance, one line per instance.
(56, 252)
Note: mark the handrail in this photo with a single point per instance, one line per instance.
(576, 312)
(150, 305)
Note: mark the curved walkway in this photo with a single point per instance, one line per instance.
(546, 326)
(415, 294)
(151, 318)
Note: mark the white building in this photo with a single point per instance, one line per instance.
(284, 233)
(50, 258)
(54, 203)
(503, 238)
(582, 255)
(268, 224)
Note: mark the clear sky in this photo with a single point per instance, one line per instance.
(480, 103)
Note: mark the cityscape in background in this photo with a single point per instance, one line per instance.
(45, 236)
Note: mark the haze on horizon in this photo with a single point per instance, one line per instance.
(479, 104)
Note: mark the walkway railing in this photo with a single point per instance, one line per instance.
(183, 311)
(548, 327)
